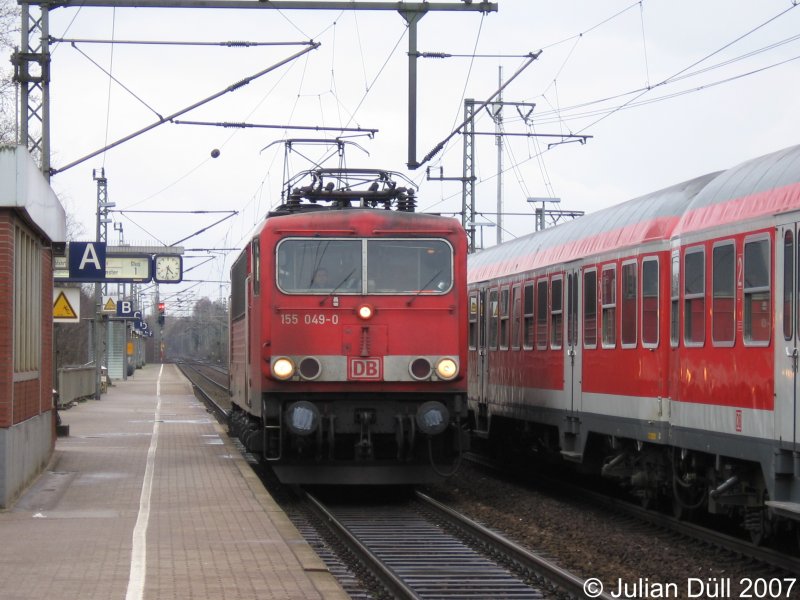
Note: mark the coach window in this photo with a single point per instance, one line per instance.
(757, 293)
(516, 316)
(629, 305)
(556, 313)
(493, 319)
(504, 319)
(723, 302)
(527, 336)
(590, 308)
(788, 285)
(572, 309)
(650, 302)
(608, 297)
(541, 314)
(694, 290)
(473, 320)
(675, 288)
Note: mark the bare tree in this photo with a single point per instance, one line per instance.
(9, 35)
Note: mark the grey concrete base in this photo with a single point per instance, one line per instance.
(25, 450)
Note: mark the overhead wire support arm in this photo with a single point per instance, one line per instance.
(370, 132)
(481, 6)
(438, 148)
(227, 44)
(574, 136)
(171, 117)
(441, 176)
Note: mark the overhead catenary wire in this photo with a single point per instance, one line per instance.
(183, 111)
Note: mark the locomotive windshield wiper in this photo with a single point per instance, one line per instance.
(340, 284)
(424, 287)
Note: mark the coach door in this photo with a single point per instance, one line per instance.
(787, 331)
(479, 322)
(572, 359)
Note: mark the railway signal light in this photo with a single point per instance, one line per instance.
(161, 311)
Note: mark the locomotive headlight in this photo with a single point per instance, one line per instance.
(432, 417)
(365, 312)
(446, 368)
(283, 368)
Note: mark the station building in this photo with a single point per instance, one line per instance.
(31, 219)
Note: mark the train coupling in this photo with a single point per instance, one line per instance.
(364, 448)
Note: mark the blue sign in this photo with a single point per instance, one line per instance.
(126, 310)
(87, 261)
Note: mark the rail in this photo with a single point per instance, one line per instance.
(415, 558)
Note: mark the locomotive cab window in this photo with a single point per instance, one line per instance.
(757, 292)
(348, 266)
(409, 266)
(319, 266)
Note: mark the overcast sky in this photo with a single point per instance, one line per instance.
(668, 90)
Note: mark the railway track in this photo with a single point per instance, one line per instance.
(737, 554)
(423, 549)
(210, 389)
(534, 574)
(418, 549)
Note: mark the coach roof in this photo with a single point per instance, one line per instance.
(762, 186)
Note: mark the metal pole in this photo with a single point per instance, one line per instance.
(468, 185)
(101, 236)
(412, 18)
(498, 125)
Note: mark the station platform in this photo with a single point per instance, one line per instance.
(148, 499)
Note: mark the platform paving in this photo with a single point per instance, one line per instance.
(148, 499)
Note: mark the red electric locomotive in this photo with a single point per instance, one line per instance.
(656, 342)
(348, 334)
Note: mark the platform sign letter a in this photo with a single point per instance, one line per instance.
(87, 261)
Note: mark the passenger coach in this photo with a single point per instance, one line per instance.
(655, 342)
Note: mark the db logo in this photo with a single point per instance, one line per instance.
(364, 368)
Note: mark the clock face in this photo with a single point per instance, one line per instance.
(168, 268)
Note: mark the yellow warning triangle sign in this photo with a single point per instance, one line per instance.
(62, 309)
(110, 306)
